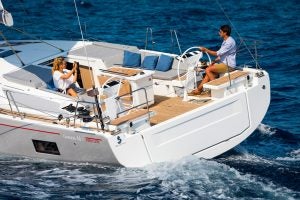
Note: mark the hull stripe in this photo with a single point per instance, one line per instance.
(29, 129)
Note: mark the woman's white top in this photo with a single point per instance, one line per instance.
(61, 83)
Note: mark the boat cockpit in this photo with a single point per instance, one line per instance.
(130, 85)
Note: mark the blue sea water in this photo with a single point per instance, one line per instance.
(265, 166)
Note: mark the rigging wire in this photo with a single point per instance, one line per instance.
(242, 41)
(28, 34)
(175, 33)
(90, 71)
(34, 37)
(172, 41)
(11, 47)
(84, 45)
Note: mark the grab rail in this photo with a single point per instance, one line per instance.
(118, 98)
(94, 109)
(14, 102)
(136, 106)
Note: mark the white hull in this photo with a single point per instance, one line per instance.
(206, 131)
(73, 146)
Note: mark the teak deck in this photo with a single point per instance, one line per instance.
(124, 71)
(224, 79)
(169, 107)
(132, 115)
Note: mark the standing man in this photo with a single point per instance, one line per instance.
(225, 56)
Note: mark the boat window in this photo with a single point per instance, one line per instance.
(45, 147)
(7, 53)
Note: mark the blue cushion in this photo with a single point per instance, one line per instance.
(164, 63)
(149, 62)
(131, 59)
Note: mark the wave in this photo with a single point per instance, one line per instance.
(292, 156)
(191, 177)
(266, 129)
(188, 178)
(266, 142)
(278, 135)
(279, 171)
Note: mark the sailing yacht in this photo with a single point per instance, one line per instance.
(136, 109)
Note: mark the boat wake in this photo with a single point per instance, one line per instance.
(188, 178)
(269, 153)
(270, 142)
(244, 172)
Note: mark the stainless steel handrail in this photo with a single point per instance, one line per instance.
(14, 102)
(136, 106)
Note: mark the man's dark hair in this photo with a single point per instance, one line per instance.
(226, 29)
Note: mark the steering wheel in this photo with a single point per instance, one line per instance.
(119, 80)
(110, 94)
(105, 84)
(194, 59)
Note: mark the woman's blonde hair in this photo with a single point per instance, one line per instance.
(56, 63)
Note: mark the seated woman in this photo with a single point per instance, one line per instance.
(65, 80)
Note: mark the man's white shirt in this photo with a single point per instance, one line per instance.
(227, 52)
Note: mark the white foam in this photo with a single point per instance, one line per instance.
(187, 178)
(266, 129)
(72, 176)
(49, 183)
(51, 171)
(20, 166)
(37, 194)
(87, 179)
(293, 156)
(206, 178)
(11, 182)
(34, 192)
(252, 158)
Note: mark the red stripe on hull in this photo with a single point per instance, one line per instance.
(29, 129)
